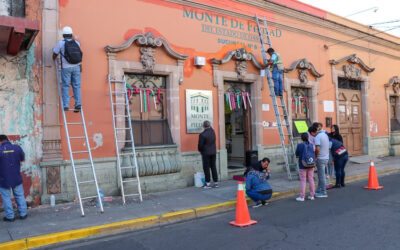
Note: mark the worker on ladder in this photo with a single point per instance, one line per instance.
(71, 68)
(276, 66)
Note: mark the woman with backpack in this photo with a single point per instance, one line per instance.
(340, 158)
(307, 161)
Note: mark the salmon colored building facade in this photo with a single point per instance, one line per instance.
(191, 60)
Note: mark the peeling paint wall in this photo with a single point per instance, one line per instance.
(20, 113)
(12, 8)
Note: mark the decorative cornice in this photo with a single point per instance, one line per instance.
(395, 82)
(240, 55)
(146, 40)
(304, 64)
(353, 59)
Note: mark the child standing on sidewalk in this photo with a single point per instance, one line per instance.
(306, 154)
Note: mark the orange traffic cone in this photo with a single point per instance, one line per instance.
(373, 179)
(242, 211)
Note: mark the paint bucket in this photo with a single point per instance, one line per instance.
(199, 179)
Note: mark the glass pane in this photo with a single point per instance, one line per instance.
(345, 83)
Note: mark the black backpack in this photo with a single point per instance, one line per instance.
(72, 52)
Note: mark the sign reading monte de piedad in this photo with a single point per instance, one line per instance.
(198, 109)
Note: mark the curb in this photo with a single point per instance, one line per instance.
(129, 225)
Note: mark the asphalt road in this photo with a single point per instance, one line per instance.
(350, 218)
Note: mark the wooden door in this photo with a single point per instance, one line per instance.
(350, 120)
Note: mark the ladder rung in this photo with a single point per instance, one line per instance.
(120, 81)
(132, 180)
(125, 141)
(117, 92)
(128, 167)
(118, 103)
(84, 166)
(77, 137)
(74, 123)
(121, 116)
(132, 195)
(122, 128)
(282, 114)
(80, 152)
(89, 197)
(126, 154)
(83, 182)
(286, 135)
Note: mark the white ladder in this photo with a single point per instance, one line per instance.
(114, 93)
(72, 153)
(288, 154)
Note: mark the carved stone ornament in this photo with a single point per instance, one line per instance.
(303, 76)
(303, 67)
(147, 58)
(241, 69)
(395, 82)
(147, 40)
(240, 55)
(352, 72)
(354, 59)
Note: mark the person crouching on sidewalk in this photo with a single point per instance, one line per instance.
(305, 150)
(257, 187)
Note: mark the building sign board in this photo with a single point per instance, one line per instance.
(199, 107)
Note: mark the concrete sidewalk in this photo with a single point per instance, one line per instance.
(44, 219)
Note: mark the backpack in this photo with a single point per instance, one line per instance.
(72, 52)
(308, 156)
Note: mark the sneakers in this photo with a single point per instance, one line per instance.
(259, 204)
(216, 185)
(66, 109)
(207, 186)
(23, 217)
(343, 185)
(77, 109)
(321, 195)
(264, 203)
(299, 199)
(8, 220)
(311, 198)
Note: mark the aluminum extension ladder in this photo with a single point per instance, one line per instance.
(289, 154)
(72, 153)
(114, 104)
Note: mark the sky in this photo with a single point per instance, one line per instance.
(387, 10)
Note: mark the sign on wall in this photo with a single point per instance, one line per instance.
(198, 109)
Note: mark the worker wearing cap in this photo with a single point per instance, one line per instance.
(11, 157)
(276, 65)
(71, 68)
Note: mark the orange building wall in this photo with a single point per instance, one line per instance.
(97, 23)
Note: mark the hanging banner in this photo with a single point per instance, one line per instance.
(198, 109)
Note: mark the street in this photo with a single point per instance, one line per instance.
(350, 218)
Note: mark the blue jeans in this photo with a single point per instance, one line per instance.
(277, 77)
(329, 169)
(339, 169)
(321, 166)
(256, 196)
(71, 76)
(19, 198)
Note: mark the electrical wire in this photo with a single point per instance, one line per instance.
(361, 37)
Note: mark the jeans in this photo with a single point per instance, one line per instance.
(71, 76)
(19, 198)
(209, 162)
(321, 166)
(256, 196)
(304, 174)
(277, 77)
(329, 169)
(339, 169)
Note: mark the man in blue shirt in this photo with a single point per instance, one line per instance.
(322, 155)
(11, 179)
(70, 72)
(275, 62)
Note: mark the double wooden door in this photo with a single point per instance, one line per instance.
(350, 120)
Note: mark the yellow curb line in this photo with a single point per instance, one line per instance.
(48, 239)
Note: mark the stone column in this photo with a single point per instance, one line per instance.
(51, 119)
